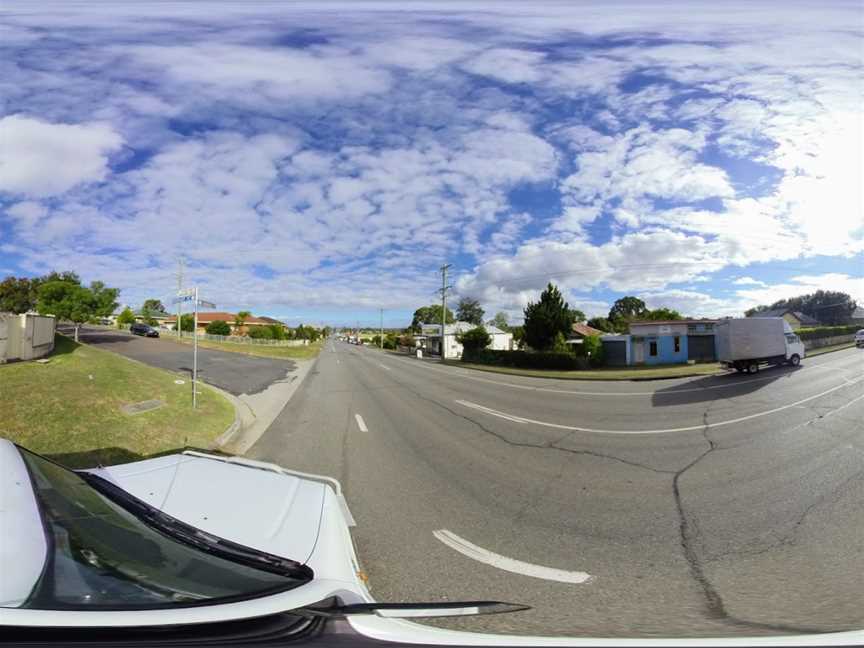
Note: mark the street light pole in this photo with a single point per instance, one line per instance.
(444, 309)
(195, 354)
(381, 337)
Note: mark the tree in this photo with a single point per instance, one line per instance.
(187, 322)
(578, 315)
(429, 315)
(261, 333)
(126, 317)
(500, 321)
(828, 306)
(73, 302)
(474, 339)
(218, 327)
(18, 294)
(592, 347)
(659, 314)
(240, 320)
(153, 305)
(546, 318)
(601, 324)
(468, 310)
(625, 310)
(277, 331)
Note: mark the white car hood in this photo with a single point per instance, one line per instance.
(269, 511)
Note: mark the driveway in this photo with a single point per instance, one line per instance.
(236, 373)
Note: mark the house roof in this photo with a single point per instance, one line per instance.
(462, 327)
(270, 320)
(681, 321)
(204, 318)
(858, 313)
(584, 330)
(154, 314)
(780, 312)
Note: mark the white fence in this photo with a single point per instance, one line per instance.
(25, 337)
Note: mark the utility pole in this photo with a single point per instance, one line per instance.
(444, 288)
(180, 267)
(381, 339)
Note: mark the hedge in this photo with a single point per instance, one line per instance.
(817, 332)
(526, 359)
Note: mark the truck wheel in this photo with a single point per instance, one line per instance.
(795, 360)
(753, 368)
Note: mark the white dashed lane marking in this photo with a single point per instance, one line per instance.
(509, 564)
(361, 423)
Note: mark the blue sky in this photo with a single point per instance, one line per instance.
(317, 162)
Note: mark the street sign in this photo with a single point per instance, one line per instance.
(186, 292)
(184, 298)
(201, 302)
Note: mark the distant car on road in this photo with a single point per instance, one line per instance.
(859, 338)
(143, 329)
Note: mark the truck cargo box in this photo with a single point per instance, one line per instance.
(751, 338)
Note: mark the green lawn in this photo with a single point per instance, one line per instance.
(69, 408)
(291, 352)
(611, 373)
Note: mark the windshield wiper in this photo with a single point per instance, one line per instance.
(190, 535)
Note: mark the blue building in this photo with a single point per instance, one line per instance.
(662, 342)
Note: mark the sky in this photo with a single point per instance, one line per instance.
(317, 162)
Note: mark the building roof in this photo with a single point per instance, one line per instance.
(584, 330)
(270, 320)
(205, 318)
(858, 313)
(681, 321)
(154, 314)
(780, 312)
(462, 327)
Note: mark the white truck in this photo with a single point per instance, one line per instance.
(745, 344)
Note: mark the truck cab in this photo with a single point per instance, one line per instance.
(794, 347)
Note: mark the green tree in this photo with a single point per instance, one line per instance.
(559, 344)
(474, 339)
(153, 305)
(546, 318)
(277, 331)
(501, 321)
(218, 327)
(578, 315)
(601, 324)
(18, 294)
(625, 310)
(260, 333)
(70, 301)
(126, 317)
(468, 310)
(187, 322)
(831, 308)
(592, 347)
(429, 315)
(240, 320)
(659, 314)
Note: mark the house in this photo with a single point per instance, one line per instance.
(581, 331)
(857, 317)
(430, 338)
(796, 319)
(662, 342)
(165, 320)
(206, 318)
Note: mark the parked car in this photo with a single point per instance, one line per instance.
(143, 329)
(184, 548)
(859, 338)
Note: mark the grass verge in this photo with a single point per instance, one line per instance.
(829, 349)
(292, 353)
(630, 373)
(69, 408)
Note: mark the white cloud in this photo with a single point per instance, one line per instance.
(748, 281)
(43, 159)
(509, 65)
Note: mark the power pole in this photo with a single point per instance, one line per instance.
(381, 340)
(444, 288)
(180, 267)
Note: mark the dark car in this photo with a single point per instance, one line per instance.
(143, 329)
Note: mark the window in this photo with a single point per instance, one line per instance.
(677, 344)
(652, 348)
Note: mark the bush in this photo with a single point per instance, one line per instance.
(527, 359)
(817, 332)
(187, 322)
(218, 327)
(126, 317)
(474, 339)
(278, 331)
(260, 333)
(592, 346)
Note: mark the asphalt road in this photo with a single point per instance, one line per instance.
(745, 521)
(236, 373)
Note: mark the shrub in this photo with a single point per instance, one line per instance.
(817, 332)
(527, 359)
(187, 322)
(126, 317)
(474, 339)
(218, 327)
(592, 345)
(278, 331)
(260, 333)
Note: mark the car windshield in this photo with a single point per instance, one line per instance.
(101, 556)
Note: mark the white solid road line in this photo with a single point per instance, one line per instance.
(361, 423)
(689, 428)
(508, 564)
(383, 366)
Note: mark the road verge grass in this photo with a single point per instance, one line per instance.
(305, 352)
(606, 373)
(69, 408)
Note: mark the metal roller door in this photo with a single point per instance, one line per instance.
(701, 348)
(615, 352)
